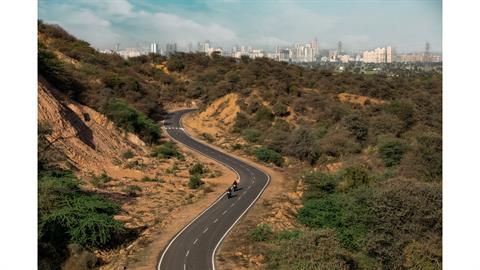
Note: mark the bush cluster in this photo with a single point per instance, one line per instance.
(128, 118)
(166, 150)
(268, 155)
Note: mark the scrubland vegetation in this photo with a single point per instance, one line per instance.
(381, 210)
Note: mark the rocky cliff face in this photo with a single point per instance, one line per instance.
(90, 141)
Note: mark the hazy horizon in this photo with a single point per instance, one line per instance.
(360, 25)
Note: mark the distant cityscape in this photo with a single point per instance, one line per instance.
(308, 52)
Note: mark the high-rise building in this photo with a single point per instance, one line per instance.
(339, 48)
(170, 48)
(315, 47)
(284, 55)
(379, 55)
(154, 48)
(203, 47)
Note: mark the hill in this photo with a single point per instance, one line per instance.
(109, 182)
(365, 150)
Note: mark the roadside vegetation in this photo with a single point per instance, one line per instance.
(380, 210)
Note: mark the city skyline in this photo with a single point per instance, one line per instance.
(407, 25)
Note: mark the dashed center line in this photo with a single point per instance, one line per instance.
(249, 187)
(232, 204)
(215, 221)
(224, 212)
(188, 252)
(206, 229)
(196, 240)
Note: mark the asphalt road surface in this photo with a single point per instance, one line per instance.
(195, 245)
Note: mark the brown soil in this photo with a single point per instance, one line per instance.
(94, 145)
(216, 120)
(360, 100)
(277, 207)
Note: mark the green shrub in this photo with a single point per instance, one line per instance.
(353, 177)
(237, 146)
(86, 220)
(241, 122)
(198, 168)
(208, 137)
(128, 154)
(128, 118)
(53, 188)
(149, 179)
(288, 234)
(99, 181)
(166, 150)
(195, 181)
(268, 155)
(429, 152)
(263, 114)
(132, 190)
(302, 145)
(404, 110)
(311, 249)
(357, 125)
(261, 233)
(252, 135)
(319, 184)
(392, 151)
(347, 213)
(280, 109)
(50, 67)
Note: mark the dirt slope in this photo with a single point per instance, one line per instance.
(216, 119)
(93, 145)
(90, 141)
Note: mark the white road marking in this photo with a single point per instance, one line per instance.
(234, 161)
(215, 221)
(231, 205)
(249, 187)
(224, 212)
(188, 252)
(206, 229)
(196, 240)
(184, 266)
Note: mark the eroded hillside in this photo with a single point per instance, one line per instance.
(119, 166)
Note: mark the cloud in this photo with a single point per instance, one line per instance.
(104, 24)
(258, 23)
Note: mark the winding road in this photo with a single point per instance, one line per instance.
(195, 245)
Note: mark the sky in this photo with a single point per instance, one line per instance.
(359, 24)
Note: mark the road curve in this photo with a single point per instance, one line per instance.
(195, 245)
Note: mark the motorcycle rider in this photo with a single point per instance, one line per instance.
(229, 192)
(235, 185)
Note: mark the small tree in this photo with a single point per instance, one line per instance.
(280, 109)
(357, 126)
(198, 168)
(261, 233)
(392, 152)
(195, 181)
(268, 155)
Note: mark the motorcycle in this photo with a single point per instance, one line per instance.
(229, 193)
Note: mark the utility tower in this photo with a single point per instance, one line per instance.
(427, 53)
